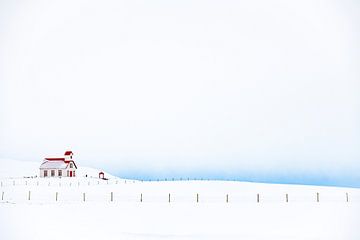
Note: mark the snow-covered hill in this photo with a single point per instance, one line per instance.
(17, 169)
(126, 209)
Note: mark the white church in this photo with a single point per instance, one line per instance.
(59, 167)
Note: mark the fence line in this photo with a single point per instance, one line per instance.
(67, 183)
(30, 196)
(59, 181)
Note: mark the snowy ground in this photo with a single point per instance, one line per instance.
(126, 209)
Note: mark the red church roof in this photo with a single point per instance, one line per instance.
(68, 153)
(55, 159)
(58, 160)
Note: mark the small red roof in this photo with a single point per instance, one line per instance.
(55, 159)
(68, 153)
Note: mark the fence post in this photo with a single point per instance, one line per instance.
(347, 197)
(227, 198)
(317, 197)
(56, 196)
(169, 197)
(2, 196)
(287, 197)
(29, 195)
(258, 198)
(25, 183)
(141, 197)
(112, 197)
(84, 197)
(197, 197)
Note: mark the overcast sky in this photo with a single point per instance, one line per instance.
(250, 90)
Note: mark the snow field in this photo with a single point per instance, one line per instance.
(135, 220)
(57, 210)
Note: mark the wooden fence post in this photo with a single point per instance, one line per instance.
(258, 198)
(169, 197)
(56, 196)
(197, 197)
(141, 197)
(317, 197)
(347, 197)
(112, 197)
(287, 197)
(29, 195)
(2, 196)
(227, 198)
(84, 197)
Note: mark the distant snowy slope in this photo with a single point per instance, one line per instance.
(92, 172)
(14, 169)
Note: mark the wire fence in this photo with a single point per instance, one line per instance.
(66, 190)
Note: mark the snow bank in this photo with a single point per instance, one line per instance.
(92, 209)
(18, 169)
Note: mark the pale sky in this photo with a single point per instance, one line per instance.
(249, 90)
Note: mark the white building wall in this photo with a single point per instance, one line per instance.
(42, 172)
(64, 171)
(68, 157)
